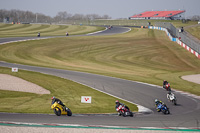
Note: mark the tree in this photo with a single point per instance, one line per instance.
(61, 17)
(195, 18)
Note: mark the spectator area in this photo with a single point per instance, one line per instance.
(158, 14)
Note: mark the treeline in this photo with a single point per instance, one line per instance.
(30, 17)
(195, 18)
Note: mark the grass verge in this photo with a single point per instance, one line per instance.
(195, 31)
(68, 91)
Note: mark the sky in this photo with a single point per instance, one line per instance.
(113, 8)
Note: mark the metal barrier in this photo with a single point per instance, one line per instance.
(183, 36)
(189, 41)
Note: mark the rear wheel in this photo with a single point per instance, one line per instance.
(57, 111)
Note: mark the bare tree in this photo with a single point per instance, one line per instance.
(61, 17)
(195, 18)
(78, 17)
(106, 17)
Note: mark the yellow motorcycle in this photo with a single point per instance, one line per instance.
(59, 110)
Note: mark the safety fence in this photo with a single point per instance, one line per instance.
(183, 36)
(179, 41)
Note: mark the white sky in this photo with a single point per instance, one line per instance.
(113, 8)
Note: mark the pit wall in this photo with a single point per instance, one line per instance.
(176, 40)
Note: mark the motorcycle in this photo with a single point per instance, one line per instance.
(172, 98)
(38, 35)
(110, 27)
(163, 108)
(58, 110)
(167, 87)
(124, 111)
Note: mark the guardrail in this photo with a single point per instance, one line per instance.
(179, 41)
(183, 36)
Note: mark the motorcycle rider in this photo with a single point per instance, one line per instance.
(157, 102)
(58, 101)
(168, 95)
(118, 104)
(164, 85)
(38, 34)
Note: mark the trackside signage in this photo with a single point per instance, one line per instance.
(14, 69)
(86, 99)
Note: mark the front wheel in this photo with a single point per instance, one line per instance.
(57, 111)
(174, 101)
(123, 113)
(164, 111)
(131, 114)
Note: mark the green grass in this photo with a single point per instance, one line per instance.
(195, 31)
(176, 23)
(141, 55)
(68, 91)
(23, 30)
(122, 22)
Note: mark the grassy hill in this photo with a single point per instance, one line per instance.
(194, 30)
(141, 55)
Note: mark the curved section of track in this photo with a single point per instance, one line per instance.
(185, 114)
(115, 30)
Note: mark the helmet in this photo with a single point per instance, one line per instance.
(117, 102)
(156, 100)
(52, 98)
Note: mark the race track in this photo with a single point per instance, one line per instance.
(185, 114)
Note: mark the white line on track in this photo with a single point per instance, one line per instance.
(96, 32)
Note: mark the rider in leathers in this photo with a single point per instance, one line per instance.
(164, 83)
(118, 104)
(58, 101)
(157, 102)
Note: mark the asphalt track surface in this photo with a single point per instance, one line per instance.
(185, 114)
